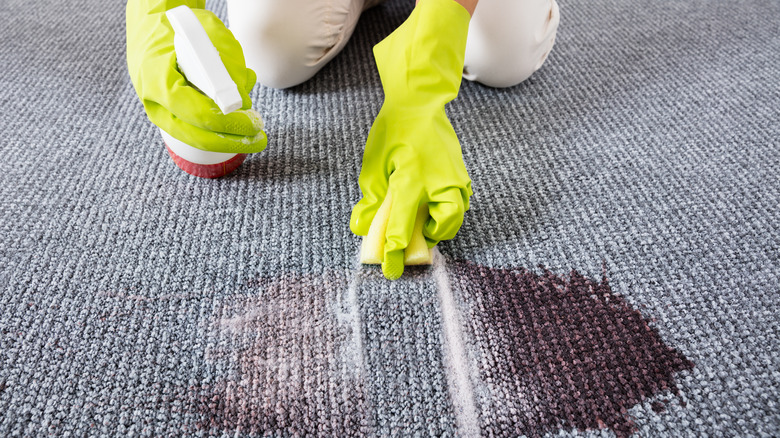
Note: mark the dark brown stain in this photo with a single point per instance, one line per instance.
(659, 406)
(561, 352)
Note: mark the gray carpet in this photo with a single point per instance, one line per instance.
(617, 274)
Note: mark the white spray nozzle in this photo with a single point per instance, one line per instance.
(199, 60)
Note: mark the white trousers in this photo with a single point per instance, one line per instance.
(286, 42)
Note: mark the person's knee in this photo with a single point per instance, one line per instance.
(509, 40)
(287, 42)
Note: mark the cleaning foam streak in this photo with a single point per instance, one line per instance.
(456, 361)
(348, 314)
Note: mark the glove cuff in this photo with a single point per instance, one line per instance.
(421, 62)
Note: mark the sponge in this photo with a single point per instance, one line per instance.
(372, 249)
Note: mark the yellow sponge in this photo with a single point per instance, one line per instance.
(372, 249)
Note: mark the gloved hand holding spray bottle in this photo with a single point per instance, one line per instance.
(190, 74)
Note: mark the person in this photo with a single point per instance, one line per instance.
(412, 148)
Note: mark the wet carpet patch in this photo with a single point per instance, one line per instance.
(277, 366)
(558, 352)
(550, 352)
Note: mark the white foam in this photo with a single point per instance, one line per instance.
(456, 361)
(348, 314)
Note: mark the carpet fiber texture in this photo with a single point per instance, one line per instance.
(617, 275)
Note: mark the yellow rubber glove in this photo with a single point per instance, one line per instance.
(412, 149)
(171, 102)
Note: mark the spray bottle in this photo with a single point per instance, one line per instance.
(200, 63)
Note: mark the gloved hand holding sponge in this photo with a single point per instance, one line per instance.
(413, 161)
(170, 100)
